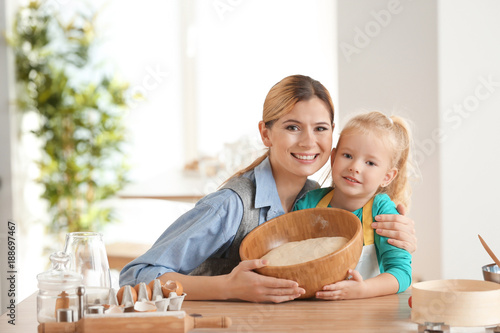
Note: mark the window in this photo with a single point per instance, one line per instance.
(205, 68)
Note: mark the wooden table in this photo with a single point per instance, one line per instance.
(383, 314)
(380, 314)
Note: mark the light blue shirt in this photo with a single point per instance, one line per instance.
(206, 230)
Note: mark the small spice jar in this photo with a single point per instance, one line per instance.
(57, 289)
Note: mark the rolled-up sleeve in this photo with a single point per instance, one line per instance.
(206, 230)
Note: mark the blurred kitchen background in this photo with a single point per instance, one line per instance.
(203, 69)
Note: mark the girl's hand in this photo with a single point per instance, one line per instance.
(399, 229)
(346, 289)
(243, 283)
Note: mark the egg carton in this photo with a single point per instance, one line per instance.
(148, 299)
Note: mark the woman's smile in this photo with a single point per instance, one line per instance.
(305, 157)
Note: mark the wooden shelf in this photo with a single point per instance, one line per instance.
(120, 254)
(175, 186)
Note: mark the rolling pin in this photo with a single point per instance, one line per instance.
(135, 325)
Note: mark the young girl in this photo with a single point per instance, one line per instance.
(369, 167)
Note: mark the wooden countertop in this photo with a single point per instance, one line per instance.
(384, 314)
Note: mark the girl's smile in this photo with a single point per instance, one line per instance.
(352, 180)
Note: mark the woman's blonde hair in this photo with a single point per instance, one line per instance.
(395, 131)
(282, 98)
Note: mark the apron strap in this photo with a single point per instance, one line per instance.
(367, 220)
(325, 201)
(367, 223)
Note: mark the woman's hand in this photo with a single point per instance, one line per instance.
(399, 229)
(243, 283)
(346, 289)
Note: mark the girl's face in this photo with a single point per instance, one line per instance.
(300, 142)
(360, 164)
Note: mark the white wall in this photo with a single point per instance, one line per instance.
(17, 203)
(469, 110)
(436, 63)
(388, 62)
(6, 208)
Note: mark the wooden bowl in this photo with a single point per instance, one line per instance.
(301, 225)
(458, 303)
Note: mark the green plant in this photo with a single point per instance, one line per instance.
(80, 111)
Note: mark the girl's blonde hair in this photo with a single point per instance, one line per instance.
(282, 98)
(395, 131)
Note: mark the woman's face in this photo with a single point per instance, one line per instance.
(300, 142)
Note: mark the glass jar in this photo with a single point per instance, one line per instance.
(88, 257)
(57, 289)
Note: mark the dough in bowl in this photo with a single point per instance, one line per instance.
(293, 253)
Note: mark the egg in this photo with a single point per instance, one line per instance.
(144, 307)
(148, 290)
(151, 284)
(119, 294)
(172, 286)
(157, 293)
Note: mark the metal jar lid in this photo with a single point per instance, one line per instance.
(95, 309)
(64, 315)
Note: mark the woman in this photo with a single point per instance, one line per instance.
(200, 249)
